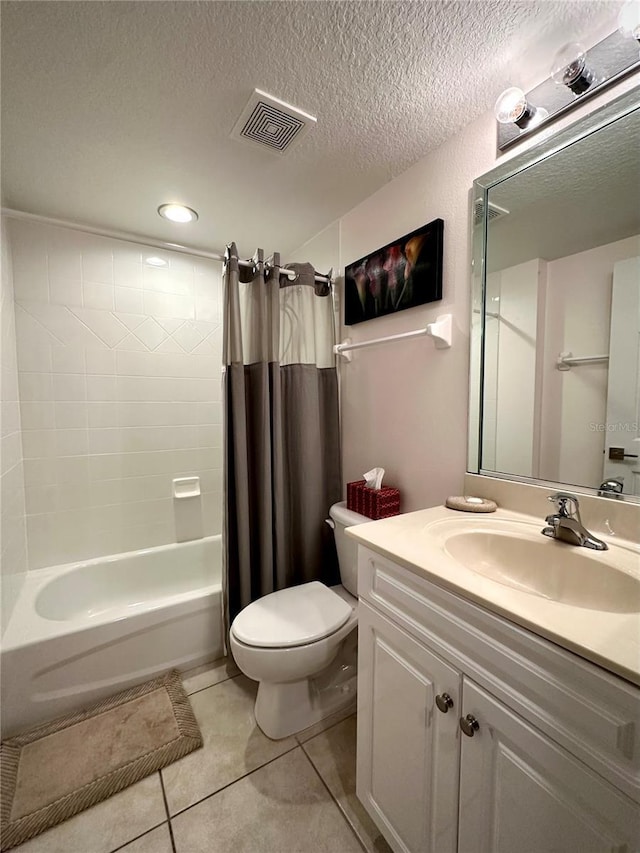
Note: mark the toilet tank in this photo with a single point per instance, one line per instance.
(347, 548)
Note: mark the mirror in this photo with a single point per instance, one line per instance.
(555, 358)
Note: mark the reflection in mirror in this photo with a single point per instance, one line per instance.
(560, 311)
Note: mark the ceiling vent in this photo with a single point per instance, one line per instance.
(270, 123)
(494, 212)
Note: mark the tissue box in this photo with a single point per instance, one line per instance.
(374, 503)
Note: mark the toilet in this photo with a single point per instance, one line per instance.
(300, 643)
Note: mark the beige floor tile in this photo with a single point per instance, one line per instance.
(156, 841)
(333, 754)
(233, 744)
(281, 808)
(107, 825)
(314, 730)
(209, 674)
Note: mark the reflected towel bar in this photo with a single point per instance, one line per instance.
(440, 331)
(566, 360)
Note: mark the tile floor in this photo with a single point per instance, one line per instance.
(241, 792)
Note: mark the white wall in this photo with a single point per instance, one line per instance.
(578, 321)
(13, 559)
(511, 406)
(404, 405)
(120, 387)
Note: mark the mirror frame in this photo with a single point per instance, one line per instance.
(616, 109)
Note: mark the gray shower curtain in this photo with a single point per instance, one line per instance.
(282, 451)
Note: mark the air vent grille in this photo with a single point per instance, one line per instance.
(267, 121)
(271, 127)
(493, 211)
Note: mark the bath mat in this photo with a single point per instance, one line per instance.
(61, 768)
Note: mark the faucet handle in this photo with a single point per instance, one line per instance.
(567, 504)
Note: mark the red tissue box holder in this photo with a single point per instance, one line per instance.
(374, 503)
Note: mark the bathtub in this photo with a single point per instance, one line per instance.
(83, 631)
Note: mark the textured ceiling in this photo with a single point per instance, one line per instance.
(111, 108)
(584, 196)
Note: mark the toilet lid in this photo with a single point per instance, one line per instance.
(291, 617)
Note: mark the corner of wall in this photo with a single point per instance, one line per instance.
(13, 560)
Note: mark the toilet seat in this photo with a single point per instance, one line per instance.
(291, 617)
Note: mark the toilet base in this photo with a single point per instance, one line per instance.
(283, 709)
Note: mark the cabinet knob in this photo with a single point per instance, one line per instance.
(469, 725)
(444, 702)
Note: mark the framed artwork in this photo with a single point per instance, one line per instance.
(403, 274)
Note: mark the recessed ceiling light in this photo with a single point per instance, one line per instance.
(156, 262)
(177, 213)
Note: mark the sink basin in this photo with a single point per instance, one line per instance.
(553, 570)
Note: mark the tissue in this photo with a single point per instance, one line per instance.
(368, 496)
(373, 478)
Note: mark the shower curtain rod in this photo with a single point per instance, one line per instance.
(291, 275)
(139, 239)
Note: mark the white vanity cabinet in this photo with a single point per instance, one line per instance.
(551, 756)
(408, 751)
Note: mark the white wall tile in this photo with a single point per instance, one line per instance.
(128, 300)
(105, 492)
(39, 443)
(65, 264)
(34, 357)
(168, 305)
(101, 361)
(101, 388)
(97, 261)
(71, 415)
(37, 415)
(132, 343)
(41, 498)
(117, 403)
(36, 386)
(98, 296)
(40, 472)
(150, 333)
(73, 496)
(13, 537)
(68, 359)
(127, 272)
(102, 414)
(102, 324)
(68, 386)
(30, 275)
(72, 442)
(72, 469)
(65, 291)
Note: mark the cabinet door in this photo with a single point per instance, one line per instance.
(521, 792)
(408, 749)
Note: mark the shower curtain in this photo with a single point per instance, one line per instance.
(282, 445)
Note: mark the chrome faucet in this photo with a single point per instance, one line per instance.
(566, 526)
(611, 488)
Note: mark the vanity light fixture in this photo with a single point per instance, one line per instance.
(570, 68)
(629, 20)
(177, 213)
(576, 75)
(513, 107)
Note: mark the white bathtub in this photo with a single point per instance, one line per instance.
(83, 631)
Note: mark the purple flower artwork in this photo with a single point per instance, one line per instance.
(403, 274)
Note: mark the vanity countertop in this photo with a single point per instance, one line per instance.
(609, 639)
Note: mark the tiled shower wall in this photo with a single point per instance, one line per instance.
(120, 386)
(12, 512)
